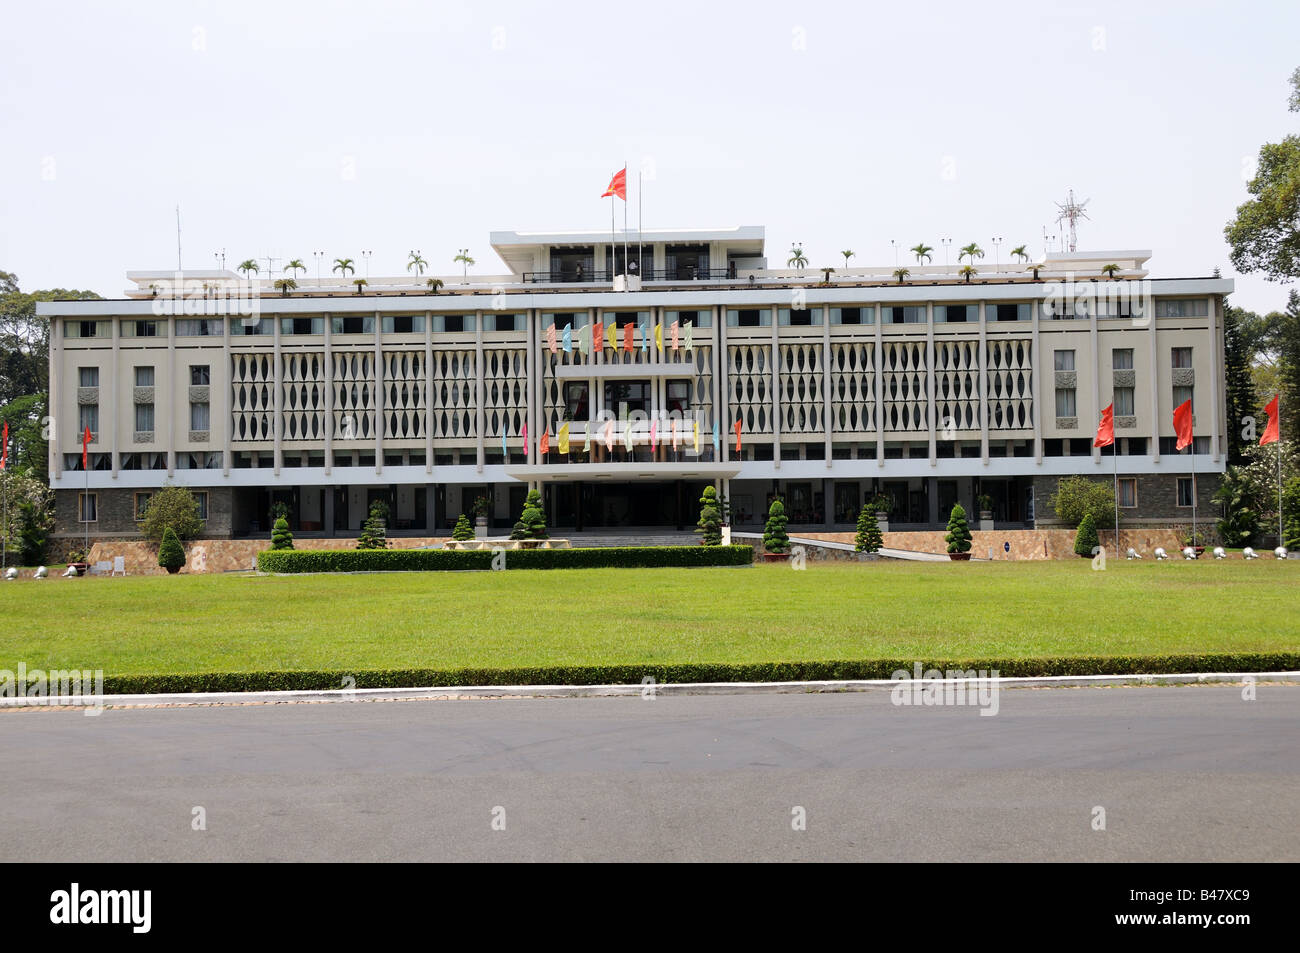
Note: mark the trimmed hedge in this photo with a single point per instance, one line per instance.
(691, 672)
(442, 560)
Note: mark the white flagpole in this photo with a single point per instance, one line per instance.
(625, 287)
(613, 243)
(640, 214)
(1193, 449)
(1281, 541)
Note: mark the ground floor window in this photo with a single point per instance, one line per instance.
(88, 507)
(201, 498)
(1128, 493)
(141, 502)
(1186, 492)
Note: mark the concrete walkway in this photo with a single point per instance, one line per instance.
(757, 538)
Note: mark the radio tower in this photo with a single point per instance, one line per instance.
(1071, 211)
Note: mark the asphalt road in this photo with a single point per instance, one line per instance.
(1183, 773)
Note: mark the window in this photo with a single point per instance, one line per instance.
(200, 375)
(141, 502)
(302, 325)
(88, 416)
(200, 417)
(1186, 492)
(852, 315)
(198, 328)
(1065, 402)
(144, 377)
(1064, 360)
(698, 319)
(1181, 308)
(86, 329)
(1128, 493)
(1181, 357)
(201, 497)
(402, 324)
(561, 321)
(144, 418)
(453, 323)
(626, 397)
(678, 396)
(88, 376)
(1121, 359)
(1182, 395)
(250, 326)
(1007, 312)
(144, 329)
(503, 322)
(801, 317)
(954, 313)
(1124, 401)
(749, 317)
(87, 507)
(363, 324)
(576, 396)
(902, 314)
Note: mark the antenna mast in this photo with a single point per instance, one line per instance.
(178, 238)
(1071, 211)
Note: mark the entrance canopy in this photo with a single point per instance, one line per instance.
(622, 472)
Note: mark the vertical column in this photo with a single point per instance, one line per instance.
(171, 396)
(1095, 371)
(430, 508)
(224, 381)
(775, 391)
(827, 396)
(984, 385)
(1156, 383)
(428, 396)
(878, 362)
(530, 369)
(110, 413)
(722, 374)
(55, 400)
(1040, 379)
(929, 377)
(479, 417)
(327, 497)
(1217, 411)
(277, 398)
(379, 395)
(328, 370)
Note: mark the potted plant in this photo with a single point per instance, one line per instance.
(986, 506)
(958, 537)
(482, 506)
(463, 530)
(78, 559)
(881, 505)
(1197, 540)
(776, 541)
(171, 554)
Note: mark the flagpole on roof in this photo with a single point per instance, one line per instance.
(640, 213)
(625, 287)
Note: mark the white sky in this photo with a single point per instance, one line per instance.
(838, 125)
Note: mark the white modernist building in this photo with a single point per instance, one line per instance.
(929, 387)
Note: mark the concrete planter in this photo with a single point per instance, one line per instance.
(959, 557)
(480, 527)
(882, 522)
(775, 557)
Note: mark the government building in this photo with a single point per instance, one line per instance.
(650, 359)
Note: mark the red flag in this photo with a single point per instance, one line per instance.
(85, 446)
(1106, 431)
(1183, 424)
(550, 338)
(617, 185)
(1271, 434)
(544, 443)
(628, 330)
(737, 429)
(597, 336)
(4, 447)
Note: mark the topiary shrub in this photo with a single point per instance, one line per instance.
(463, 530)
(1085, 541)
(281, 538)
(868, 539)
(775, 538)
(519, 530)
(373, 531)
(710, 524)
(534, 517)
(958, 536)
(171, 554)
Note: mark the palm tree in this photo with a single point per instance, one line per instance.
(360, 283)
(1019, 253)
(971, 251)
(295, 266)
(465, 261)
(967, 272)
(848, 253)
(434, 284)
(1109, 271)
(417, 263)
(900, 274)
(796, 258)
(1035, 269)
(247, 266)
(826, 275)
(345, 266)
(285, 285)
(922, 253)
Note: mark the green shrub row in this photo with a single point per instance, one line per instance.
(425, 560)
(692, 672)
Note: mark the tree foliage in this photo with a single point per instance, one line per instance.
(775, 538)
(1239, 525)
(533, 517)
(958, 536)
(868, 539)
(374, 531)
(1085, 540)
(1077, 496)
(710, 524)
(281, 538)
(1239, 384)
(31, 515)
(462, 530)
(174, 508)
(171, 554)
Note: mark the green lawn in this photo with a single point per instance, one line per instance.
(768, 613)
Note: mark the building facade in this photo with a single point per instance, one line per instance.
(928, 387)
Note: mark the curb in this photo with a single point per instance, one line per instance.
(209, 699)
